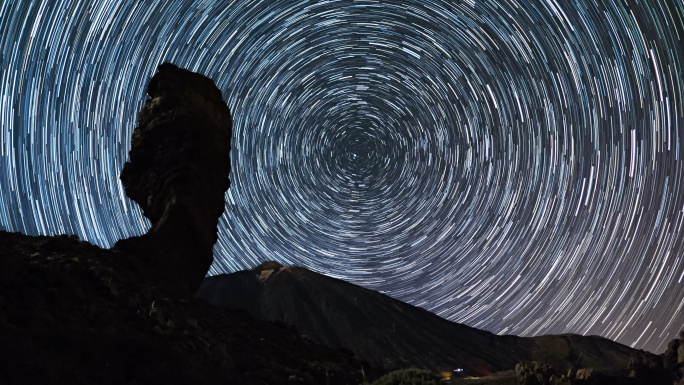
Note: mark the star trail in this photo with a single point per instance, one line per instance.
(512, 165)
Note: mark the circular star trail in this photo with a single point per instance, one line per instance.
(515, 166)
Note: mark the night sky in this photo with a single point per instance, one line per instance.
(512, 165)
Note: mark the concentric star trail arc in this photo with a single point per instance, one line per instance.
(512, 165)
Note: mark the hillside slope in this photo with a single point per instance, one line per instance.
(392, 334)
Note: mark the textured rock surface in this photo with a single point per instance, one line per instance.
(178, 174)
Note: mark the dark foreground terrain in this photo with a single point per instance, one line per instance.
(391, 334)
(72, 313)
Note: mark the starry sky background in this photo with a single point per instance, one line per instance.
(512, 165)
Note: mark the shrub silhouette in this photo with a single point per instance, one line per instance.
(410, 376)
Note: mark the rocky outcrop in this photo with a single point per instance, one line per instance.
(534, 373)
(673, 359)
(178, 174)
(72, 313)
(648, 368)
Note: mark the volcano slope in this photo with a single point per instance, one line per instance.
(391, 334)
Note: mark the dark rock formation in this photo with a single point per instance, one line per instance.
(648, 368)
(673, 359)
(534, 373)
(72, 313)
(178, 174)
(391, 334)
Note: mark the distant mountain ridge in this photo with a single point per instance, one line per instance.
(391, 334)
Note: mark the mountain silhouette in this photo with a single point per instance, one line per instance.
(391, 334)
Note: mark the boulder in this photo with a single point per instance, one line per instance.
(534, 373)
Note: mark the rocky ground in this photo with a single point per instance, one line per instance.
(73, 313)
